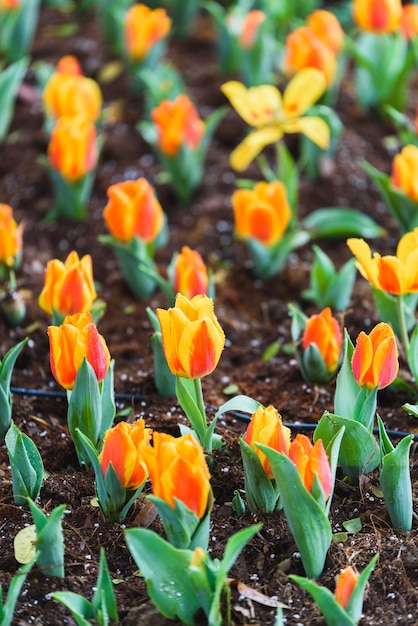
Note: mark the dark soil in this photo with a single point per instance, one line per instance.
(253, 315)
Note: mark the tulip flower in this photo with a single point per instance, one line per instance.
(405, 172)
(375, 358)
(68, 287)
(311, 460)
(72, 150)
(144, 27)
(262, 213)
(190, 275)
(305, 49)
(180, 480)
(11, 241)
(323, 335)
(409, 21)
(250, 27)
(377, 16)
(346, 583)
(272, 115)
(266, 427)
(178, 124)
(327, 28)
(75, 339)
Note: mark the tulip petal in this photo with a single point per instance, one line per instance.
(362, 359)
(200, 348)
(257, 106)
(385, 362)
(173, 323)
(366, 265)
(303, 91)
(253, 144)
(315, 128)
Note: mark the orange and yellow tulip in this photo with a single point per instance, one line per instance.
(178, 123)
(262, 213)
(133, 211)
(68, 92)
(327, 28)
(178, 469)
(192, 337)
(273, 115)
(346, 583)
(405, 170)
(144, 27)
(377, 16)
(190, 275)
(305, 49)
(324, 331)
(250, 27)
(409, 21)
(375, 358)
(311, 460)
(77, 338)
(122, 446)
(10, 236)
(72, 149)
(9, 5)
(396, 275)
(266, 427)
(69, 286)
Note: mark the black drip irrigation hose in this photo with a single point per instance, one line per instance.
(243, 417)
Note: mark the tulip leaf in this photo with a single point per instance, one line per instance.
(334, 614)
(412, 353)
(6, 370)
(26, 465)
(347, 389)
(7, 608)
(308, 522)
(180, 523)
(359, 451)
(10, 80)
(341, 222)
(262, 494)
(49, 539)
(355, 605)
(388, 308)
(84, 408)
(107, 396)
(243, 403)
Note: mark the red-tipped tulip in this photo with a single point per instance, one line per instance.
(311, 460)
(266, 427)
(375, 357)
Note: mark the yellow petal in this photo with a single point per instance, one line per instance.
(315, 128)
(257, 106)
(303, 91)
(407, 244)
(366, 265)
(252, 145)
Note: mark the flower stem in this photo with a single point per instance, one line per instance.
(402, 324)
(199, 401)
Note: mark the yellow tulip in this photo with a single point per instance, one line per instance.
(192, 337)
(178, 469)
(72, 149)
(405, 171)
(69, 286)
(377, 16)
(266, 427)
(262, 213)
(10, 236)
(375, 357)
(77, 338)
(133, 211)
(144, 27)
(396, 275)
(272, 115)
(190, 273)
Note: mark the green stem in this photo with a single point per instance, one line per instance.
(199, 401)
(402, 324)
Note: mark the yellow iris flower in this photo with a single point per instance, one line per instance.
(272, 115)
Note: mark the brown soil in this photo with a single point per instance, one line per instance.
(253, 315)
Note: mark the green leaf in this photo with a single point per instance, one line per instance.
(10, 80)
(341, 222)
(80, 608)
(49, 539)
(26, 465)
(104, 588)
(85, 408)
(239, 403)
(333, 612)
(180, 523)
(353, 525)
(355, 605)
(188, 402)
(262, 494)
(6, 370)
(7, 609)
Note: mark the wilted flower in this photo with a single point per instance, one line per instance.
(69, 286)
(266, 427)
(144, 27)
(405, 171)
(272, 116)
(375, 357)
(324, 331)
(396, 275)
(377, 16)
(345, 586)
(72, 149)
(305, 49)
(192, 337)
(311, 460)
(122, 447)
(133, 211)
(10, 236)
(262, 213)
(77, 338)
(178, 469)
(190, 275)
(178, 123)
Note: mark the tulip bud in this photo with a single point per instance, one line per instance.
(377, 16)
(305, 49)
(324, 332)
(10, 237)
(405, 171)
(190, 276)
(250, 27)
(327, 28)
(375, 357)
(178, 123)
(144, 27)
(266, 427)
(346, 583)
(311, 460)
(68, 93)
(409, 21)
(72, 149)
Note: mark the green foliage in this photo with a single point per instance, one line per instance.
(7, 608)
(6, 371)
(49, 540)
(26, 465)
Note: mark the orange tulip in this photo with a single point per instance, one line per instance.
(266, 427)
(377, 16)
(394, 274)
(250, 27)
(68, 93)
(133, 211)
(122, 446)
(178, 123)
(324, 331)
(345, 586)
(375, 357)
(192, 337)
(409, 21)
(9, 5)
(178, 469)
(77, 338)
(72, 149)
(305, 49)
(327, 28)
(311, 460)
(69, 286)
(10, 236)
(262, 213)
(405, 170)
(190, 273)
(144, 27)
